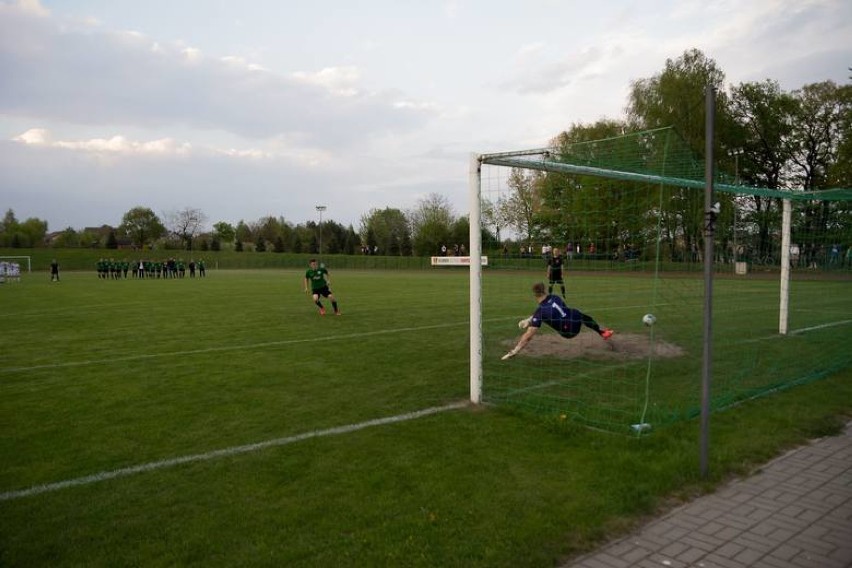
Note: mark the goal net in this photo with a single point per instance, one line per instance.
(626, 215)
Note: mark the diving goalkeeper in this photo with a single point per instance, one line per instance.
(553, 311)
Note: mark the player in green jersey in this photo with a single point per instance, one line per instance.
(319, 282)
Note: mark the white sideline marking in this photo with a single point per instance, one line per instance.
(226, 452)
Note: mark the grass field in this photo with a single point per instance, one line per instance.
(187, 380)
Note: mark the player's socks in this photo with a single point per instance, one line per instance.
(550, 289)
(336, 309)
(563, 291)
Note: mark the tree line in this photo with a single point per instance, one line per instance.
(798, 141)
(391, 232)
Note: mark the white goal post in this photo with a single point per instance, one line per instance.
(475, 280)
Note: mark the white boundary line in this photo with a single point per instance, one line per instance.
(225, 452)
(798, 331)
(823, 326)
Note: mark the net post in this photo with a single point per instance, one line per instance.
(786, 216)
(474, 187)
(709, 231)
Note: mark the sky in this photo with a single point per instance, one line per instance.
(249, 108)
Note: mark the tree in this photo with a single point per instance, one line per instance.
(112, 241)
(520, 207)
(821, 125)
(8, 227)
(224, 232)
(759, 144)
(68, 238)
(821, 132)
(185, 224)
(431, 223)
(389, 227)
(27, 234)
(142, 226)
(243, 234)
(268, 228)
(33, 231)
(279, 244)
(352, 241)
(676, 97)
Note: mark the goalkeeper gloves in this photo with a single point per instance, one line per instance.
(525, 323)
(510, 354)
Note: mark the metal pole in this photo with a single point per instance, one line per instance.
(320, 208)
(710, 213)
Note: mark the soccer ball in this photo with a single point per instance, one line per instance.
(649, 319)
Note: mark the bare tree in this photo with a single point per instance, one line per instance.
(185, 224)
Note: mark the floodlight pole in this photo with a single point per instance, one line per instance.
(320, 208)
(710, 214)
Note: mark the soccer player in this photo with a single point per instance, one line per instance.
(553, 311)
(554, 271)
(320, 282)
(54, 271)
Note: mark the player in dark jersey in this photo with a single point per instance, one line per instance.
(319, 281)
(554, 271)
(553, 311)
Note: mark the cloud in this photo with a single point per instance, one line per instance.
(279, 150)
(85, 75)
(113, 145)
(538, 70)
(340, 81)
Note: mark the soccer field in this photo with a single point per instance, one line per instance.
(222, 421)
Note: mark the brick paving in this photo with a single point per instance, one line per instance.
(795, 512)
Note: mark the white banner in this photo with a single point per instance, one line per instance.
(455, 261)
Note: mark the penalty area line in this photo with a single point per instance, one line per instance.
(225, 452)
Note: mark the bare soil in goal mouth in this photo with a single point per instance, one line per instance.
(589, 345)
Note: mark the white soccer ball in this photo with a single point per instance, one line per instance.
(649, 319)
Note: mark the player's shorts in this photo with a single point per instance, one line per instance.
(324, 292)
(556, 278)
(570, 326)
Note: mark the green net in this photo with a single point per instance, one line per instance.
(627, 216)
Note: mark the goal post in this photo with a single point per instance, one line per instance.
(475, 203)
(629, 213)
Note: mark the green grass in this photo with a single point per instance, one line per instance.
(102, 375)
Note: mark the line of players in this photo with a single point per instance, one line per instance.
(110, 269)
(10, 272)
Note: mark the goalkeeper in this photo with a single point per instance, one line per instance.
(553, 311)
(319, 282)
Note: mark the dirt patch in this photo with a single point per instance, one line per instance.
(621, 346)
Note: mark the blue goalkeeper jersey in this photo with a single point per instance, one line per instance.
(554, 312)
